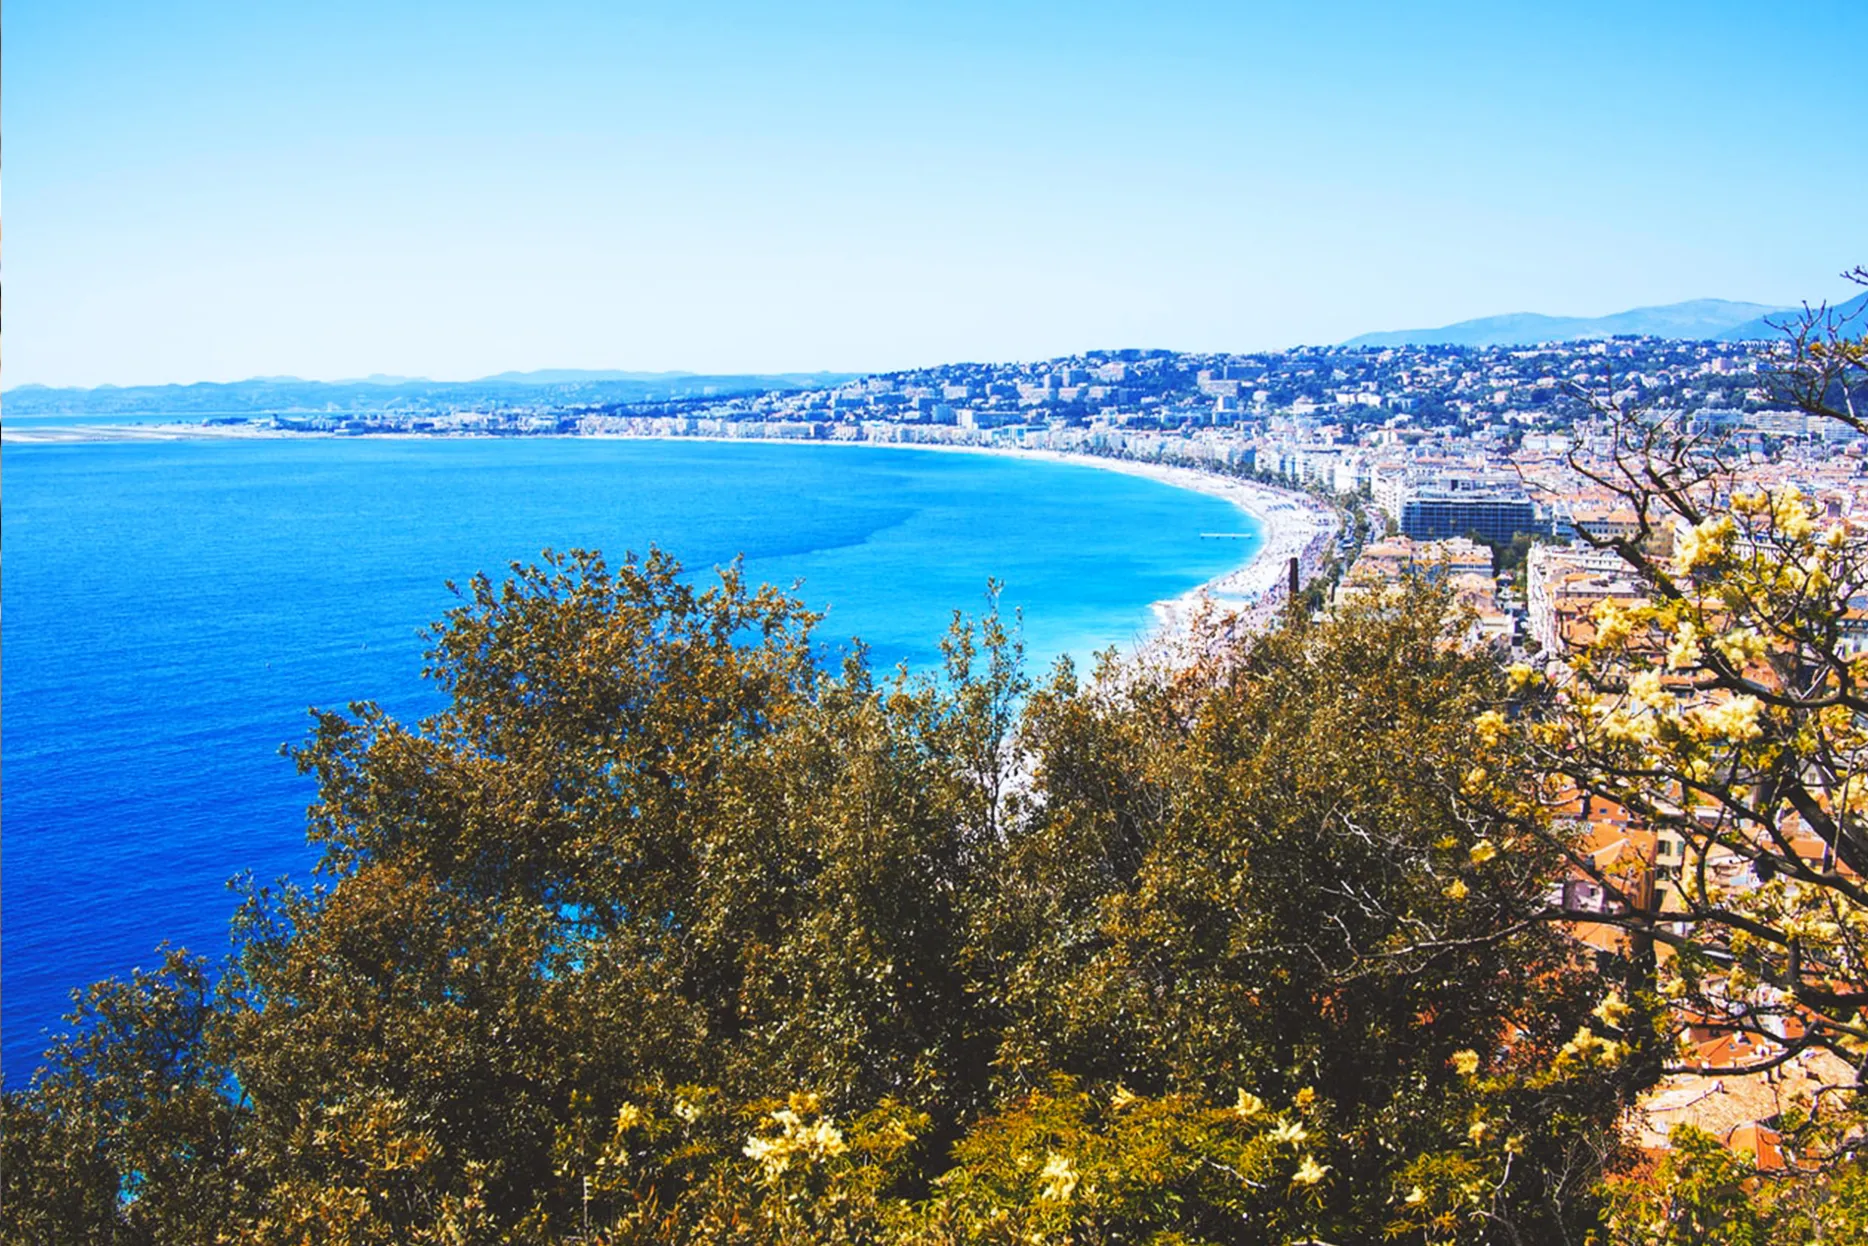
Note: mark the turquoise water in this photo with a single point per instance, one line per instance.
(173, 608)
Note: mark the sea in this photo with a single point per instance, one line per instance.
(172, 609)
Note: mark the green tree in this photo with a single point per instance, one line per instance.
(1730, 711)
(1296, 871)
(128, 1134)
(1702, 1194)
(667, 926)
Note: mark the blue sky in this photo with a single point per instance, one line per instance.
(208, 191)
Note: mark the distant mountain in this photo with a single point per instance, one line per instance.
(1851, 316)
(1696, 320)
(587, 376)
(266, 395)
(575, 376)
(374, 378)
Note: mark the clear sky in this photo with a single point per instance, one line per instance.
(209, 191)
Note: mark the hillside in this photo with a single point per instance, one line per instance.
(277, 394)
(1853, 313)
(1696, 319)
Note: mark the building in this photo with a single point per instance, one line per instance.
(1458, 505)
(1564, 584)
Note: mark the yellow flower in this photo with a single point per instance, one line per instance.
(1482, 851)
(1059, 1178)
(1588, 1045)
(825, 1139)
(689, 1112)
(1612, 624)
(1735, 718)
(1415, 1197)
(1645, 689)
(1457, 889)
(1291, 1132)
(1309, 1172)
(1520, 674)
(1122, 1097)
(1685, 650)
(1475, 1132)
(1623, 726)
(1304, 1098)
(769, 1153)
(1740, 647)
(1491, 727)
(628, 1117)
(1792, 515)
(1584, 1041)
(821, 1140)
(1612, 1010)
(1466, 1063)
(1704, 543)
(1249, 1105)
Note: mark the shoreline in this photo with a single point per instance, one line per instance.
(1289, 524)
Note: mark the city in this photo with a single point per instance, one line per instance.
(1409, 443)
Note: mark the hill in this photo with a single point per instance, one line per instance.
(387, 393)
(1852, 314)
(1695, 319)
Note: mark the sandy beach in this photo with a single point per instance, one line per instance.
(1290, 524)
(74, 434)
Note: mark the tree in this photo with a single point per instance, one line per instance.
(1702, 1194)
(1294, 871)
(667, 927)
(127, 1135)
(1731, 712)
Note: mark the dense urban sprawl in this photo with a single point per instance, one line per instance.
(1419, 443)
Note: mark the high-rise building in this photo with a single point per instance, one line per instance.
(1449, 505)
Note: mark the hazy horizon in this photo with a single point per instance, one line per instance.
(603, 372)
(214, 193)
(547, 374)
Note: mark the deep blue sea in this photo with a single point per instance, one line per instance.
(173, 608)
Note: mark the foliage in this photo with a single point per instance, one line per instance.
(1302, 873)
(1729, 712)
(128, 1134)
(1702, 1194)
(1509, 558)
(666, 927)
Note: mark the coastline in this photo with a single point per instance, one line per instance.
(1289, 524)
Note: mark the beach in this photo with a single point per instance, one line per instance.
(1290, 524)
